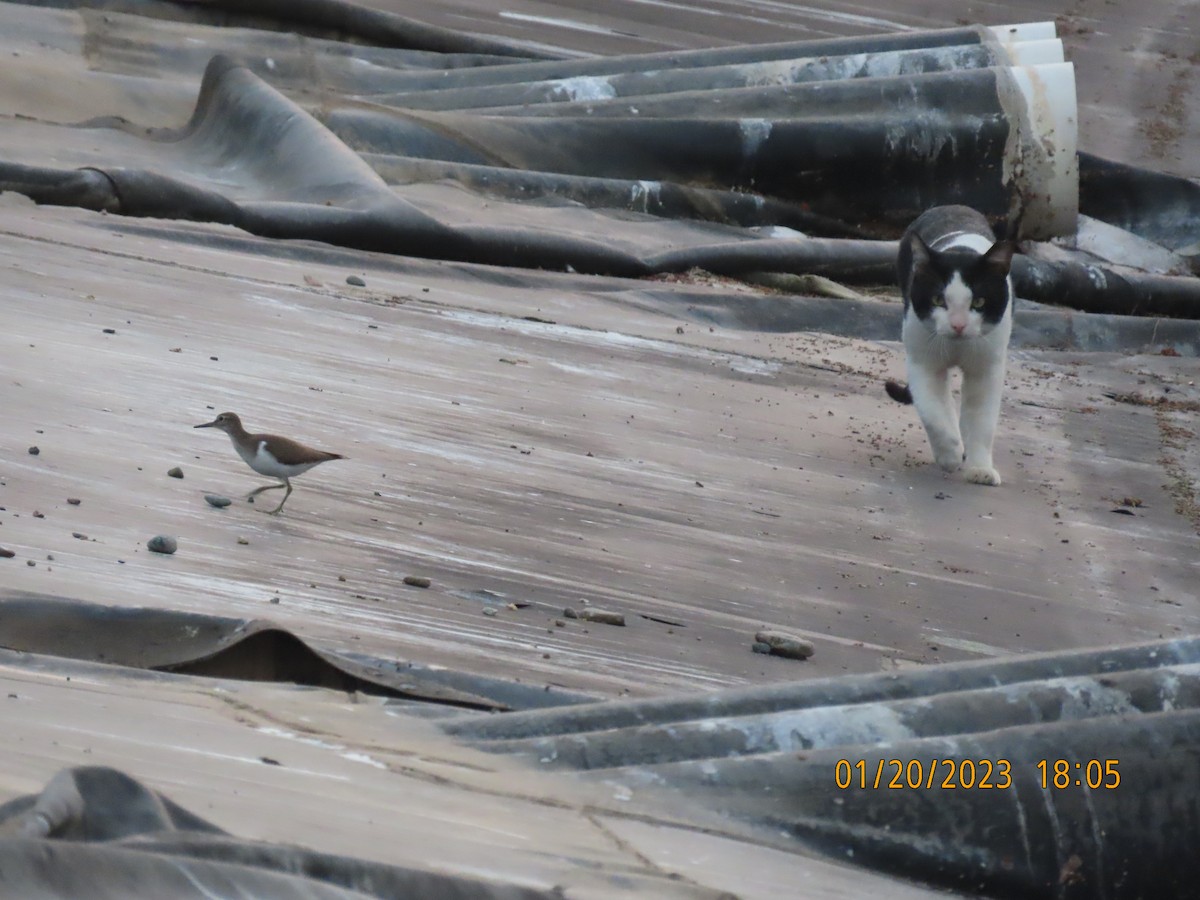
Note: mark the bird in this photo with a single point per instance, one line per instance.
(270, 455)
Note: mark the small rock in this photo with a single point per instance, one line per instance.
(6, 553)
(785, 644)
(163, 543)
(341, 578)
(217, 500)
(38, 515)
(559, 623)
(74, 501)
(34, 450)
(489, 610)
(355, 281)
(30, 563)
(417, 581)
(599, 616)
(275, 600)
(761, 647)
(243, 541)
(110, 331)
(79, 535)
(175, 472)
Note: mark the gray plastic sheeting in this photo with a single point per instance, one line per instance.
(1057, 775)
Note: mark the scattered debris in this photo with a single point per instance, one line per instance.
(785, 644)
(661, 621)
(599, 616)
(175, 472)
(416, 581)
(217, 500)
(163, 543)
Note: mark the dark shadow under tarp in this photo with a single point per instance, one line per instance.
(245, 649)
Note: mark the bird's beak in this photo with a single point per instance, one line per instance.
(212, 424)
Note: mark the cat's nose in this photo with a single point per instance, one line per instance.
(959, 328)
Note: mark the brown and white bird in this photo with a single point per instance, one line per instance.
(270, 454)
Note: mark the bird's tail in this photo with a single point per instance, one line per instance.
(898, 392)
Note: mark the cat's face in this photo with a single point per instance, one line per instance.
(957, 292)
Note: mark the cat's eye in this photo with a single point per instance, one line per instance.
(940, 300)
(977, 303)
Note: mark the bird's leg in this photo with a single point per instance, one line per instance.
(288, 485)
(266, 487)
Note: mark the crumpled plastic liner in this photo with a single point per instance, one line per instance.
(95, 832)
(1119, 726)
(844, 138)
(247, 649)
(1056, 775)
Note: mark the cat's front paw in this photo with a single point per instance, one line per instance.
(950, 459)
(982, 475)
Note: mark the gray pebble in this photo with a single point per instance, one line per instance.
(163, 543)
(760, 647)
(489, 610)
(30, 563)
(417, 581)
(175, 472)
(217, 500)
(35, 450)
(355, 280)
(788, 645)
(5, 553)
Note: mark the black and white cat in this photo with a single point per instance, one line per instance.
(957, 314)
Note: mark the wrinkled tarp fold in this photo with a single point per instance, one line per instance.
(96, 832)
(248, 649)
(993, 776)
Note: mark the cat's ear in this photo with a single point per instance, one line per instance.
(998, 260)
(921, 254)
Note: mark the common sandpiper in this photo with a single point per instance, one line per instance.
(270, 455)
